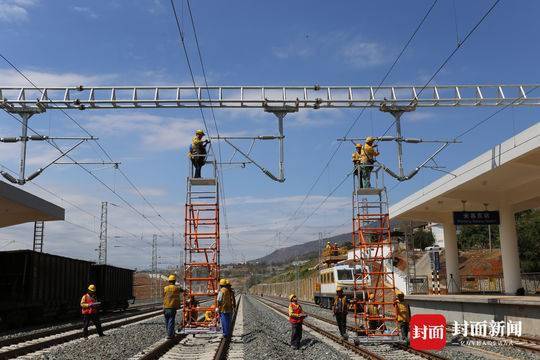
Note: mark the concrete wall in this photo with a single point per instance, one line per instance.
(478, 308)
(303, 290)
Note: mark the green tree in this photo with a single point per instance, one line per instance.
(477, 237)
(423, 238)
(528, 229)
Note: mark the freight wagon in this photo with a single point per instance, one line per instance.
(36, 286)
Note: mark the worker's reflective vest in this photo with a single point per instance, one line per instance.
(171, 297)
(403, 312)
(368, 154)
(197, 147)
(295, 310)
(356, 157)
(225, 302)
(340, 305)
(86, 305)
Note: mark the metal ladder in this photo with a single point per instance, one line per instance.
(39, 232)
(201, 251)
(374, 285)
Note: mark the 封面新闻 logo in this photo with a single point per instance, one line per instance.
(428, 332)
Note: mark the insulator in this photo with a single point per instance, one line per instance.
(412, 141)
(9, 139)
(385, 138)
(9, 177)
(34, 175)
(38, 137)
(267, 137)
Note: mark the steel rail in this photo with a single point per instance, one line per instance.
(357, 350)
(423, 354)
(30, 348)
(20, 99)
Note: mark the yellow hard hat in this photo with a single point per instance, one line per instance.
(291, 297)
(199, 132)
(369, 139)
(398, 292)
(371, 296)
(223, 282)
(339, 289)
(172, 277)
(92, 288)
(358, 146)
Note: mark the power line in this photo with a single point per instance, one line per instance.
(390, 69)
(53, 144)
(107, 154)
(447, 59)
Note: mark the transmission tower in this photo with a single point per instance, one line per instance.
(102, 256)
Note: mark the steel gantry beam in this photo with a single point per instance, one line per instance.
(25, 99)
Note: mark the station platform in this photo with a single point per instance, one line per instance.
(469, 307)
(18, 206)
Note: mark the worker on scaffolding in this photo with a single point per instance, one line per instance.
(171, 304)
(367, 159)
(340, 309)
(373, 314)
(197, 152)
(90, 311)
(225, 307)
(403, 314)
(296, 318)
(357, 163)
(210, 316)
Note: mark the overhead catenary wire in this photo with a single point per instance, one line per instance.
(119, 196)
(353, 124)
(107, 154)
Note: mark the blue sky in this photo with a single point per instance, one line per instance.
(248, 43)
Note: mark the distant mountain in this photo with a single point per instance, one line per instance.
(302, 251)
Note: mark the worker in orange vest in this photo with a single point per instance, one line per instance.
(296, 318)
(90, 312)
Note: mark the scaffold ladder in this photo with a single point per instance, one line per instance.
(374, 287)
(201, 252)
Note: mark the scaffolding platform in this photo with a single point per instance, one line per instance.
(368, 191)
(375, 315)
(202, 181)
(201, 254)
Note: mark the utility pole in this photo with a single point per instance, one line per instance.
(155, 283)
(39, 233)
(102, 255)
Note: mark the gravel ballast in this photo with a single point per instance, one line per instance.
(120, 343)
(267, 336)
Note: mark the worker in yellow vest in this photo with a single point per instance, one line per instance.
(403, 314)
(357, 162)
(373, 312)
(367, 159)
(225, 307)
(197, 152)
(340, 308)
(171, 303)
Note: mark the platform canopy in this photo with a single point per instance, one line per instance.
(508, 173)
(18, 206)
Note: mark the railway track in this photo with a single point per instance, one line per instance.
(29, 343)
(193, 347)
(326, 328)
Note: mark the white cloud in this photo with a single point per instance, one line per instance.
(86, 11)
(347, 47)
(362, 54)
(13, 11)
(156, 132)
(10, 77)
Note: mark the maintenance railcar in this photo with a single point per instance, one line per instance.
(339, 275)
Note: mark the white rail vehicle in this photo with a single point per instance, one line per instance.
(339, 275)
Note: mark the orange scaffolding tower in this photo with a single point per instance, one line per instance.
(201, 252)
(374, 287)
